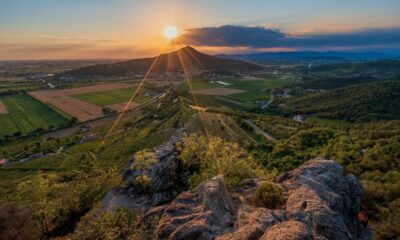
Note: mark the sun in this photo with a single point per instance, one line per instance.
(171, 32)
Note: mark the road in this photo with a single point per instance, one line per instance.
(269, 102)
(258, 130)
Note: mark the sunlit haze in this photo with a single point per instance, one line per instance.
(45, 29)
(170, 32)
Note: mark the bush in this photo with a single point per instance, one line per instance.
(269, 195)
(143, 182)
(123, 223)
(204, 158)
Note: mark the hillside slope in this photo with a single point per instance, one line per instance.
(356, 103)
(195, 62)
(341, 75)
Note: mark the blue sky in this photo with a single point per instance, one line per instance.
(132, 28)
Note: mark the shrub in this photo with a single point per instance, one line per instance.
(204, 158)
(269, 195)
(143, 182)
(123, 223)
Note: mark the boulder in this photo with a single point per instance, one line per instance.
(165, 181)
(202, 213)
(288, 230)
(321, 195)
(322, 203)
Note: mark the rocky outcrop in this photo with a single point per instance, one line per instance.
(165, 181)
(324, 198)
(322, 203)
(203, 213)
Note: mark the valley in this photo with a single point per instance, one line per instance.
(68, 149)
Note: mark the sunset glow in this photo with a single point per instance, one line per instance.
(170, 32)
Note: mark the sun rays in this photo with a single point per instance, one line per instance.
(185, 57)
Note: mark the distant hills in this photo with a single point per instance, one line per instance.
(362, 102)
(331, 76)
(313, 55)
(195, 62)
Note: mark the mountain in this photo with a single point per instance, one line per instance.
(312, 55)
(362, 102)
(195, 62)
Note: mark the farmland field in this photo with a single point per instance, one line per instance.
(243, 84)
(218, 91)
(250, 96)
(25, 115)
(105, 98)
(80, 109)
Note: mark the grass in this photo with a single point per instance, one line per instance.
(104, 98)
(25, 115)
(326, 121)
(249, 96)
(256, 85)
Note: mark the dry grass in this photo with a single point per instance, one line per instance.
(218, 91)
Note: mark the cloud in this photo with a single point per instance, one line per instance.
(260, 37)
(231, 36)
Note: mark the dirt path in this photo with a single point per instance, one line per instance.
(3, 108)
(119, 107)
(230, 101)
(218, 91)
(269, 102)
(259, 130)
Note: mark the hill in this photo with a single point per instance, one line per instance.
(340, 75)
(356, 103)
(313, 55)
(195, 62)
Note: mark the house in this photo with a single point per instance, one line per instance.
(3, 161)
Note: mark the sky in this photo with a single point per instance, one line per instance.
(121, 29)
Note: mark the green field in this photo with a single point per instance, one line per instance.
(248, 85)
(105, 98)
(25, 115)
(248, 99)
(249, 96)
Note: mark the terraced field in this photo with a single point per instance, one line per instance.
(25, 115)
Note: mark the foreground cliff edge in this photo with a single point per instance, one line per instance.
(321, 202)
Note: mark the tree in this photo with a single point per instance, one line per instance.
(73, 121)
(107, 110)
(143, 160)
(38, 146)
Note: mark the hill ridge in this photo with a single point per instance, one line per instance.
(194, 61)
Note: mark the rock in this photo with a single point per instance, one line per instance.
(165, 181)
(253, 226)
(322, 196)
(202, 213)
(289, 230)
(322, 203)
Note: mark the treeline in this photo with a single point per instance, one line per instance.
(371, 151)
